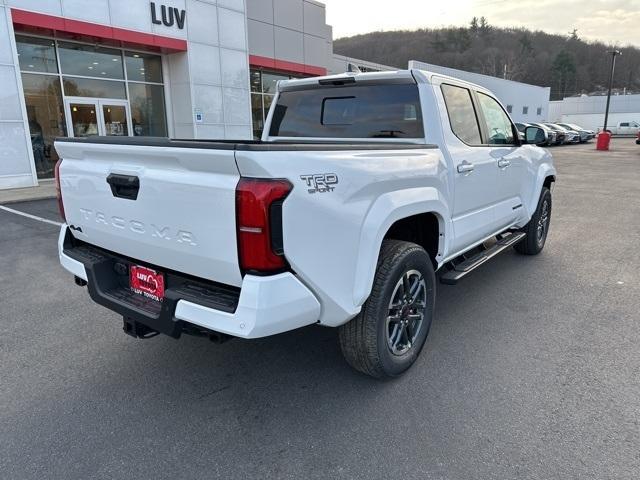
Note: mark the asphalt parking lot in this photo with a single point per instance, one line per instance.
(531, 370)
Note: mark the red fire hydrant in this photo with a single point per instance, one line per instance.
(604, 138)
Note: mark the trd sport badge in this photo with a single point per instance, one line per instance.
(320, 182)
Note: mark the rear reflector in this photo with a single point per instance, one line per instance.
(258, 219)
(58, 190)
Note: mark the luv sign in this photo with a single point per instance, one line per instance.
(169, 15)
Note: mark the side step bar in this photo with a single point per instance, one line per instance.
(467, 266)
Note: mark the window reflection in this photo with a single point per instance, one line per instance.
(36, 54)
(90, 61)
(93, 72)
(147, 110)
(143, 67)
(263, 88)
(89, 87)
(43, 100)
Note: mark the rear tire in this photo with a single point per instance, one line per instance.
(538, 227)
(385, 339)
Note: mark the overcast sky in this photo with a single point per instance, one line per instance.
(613, 21)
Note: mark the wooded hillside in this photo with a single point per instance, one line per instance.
(567, 64)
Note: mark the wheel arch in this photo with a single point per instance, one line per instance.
(545, 177)
(393, 215)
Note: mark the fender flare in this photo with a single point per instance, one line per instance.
(544, 171)
(384, 212)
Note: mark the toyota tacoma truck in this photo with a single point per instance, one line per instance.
(364, 191)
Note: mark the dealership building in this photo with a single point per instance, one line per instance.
(178, 68)
(183, 68)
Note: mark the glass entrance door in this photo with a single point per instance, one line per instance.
(87, 116)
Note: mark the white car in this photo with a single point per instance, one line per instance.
(364, 190)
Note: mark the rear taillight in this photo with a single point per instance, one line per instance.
(58, 191)
(259, 224)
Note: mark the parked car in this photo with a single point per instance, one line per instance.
(585, 135)
(554, 137)
(623, 128)
(340, 216)
(570, 136)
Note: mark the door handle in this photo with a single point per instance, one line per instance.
(124, 186)
(504, 163)
(465, 167)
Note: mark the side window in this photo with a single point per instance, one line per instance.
(624, 124)
(462, 114)
(498, 124)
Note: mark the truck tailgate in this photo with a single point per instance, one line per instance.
(183, 217)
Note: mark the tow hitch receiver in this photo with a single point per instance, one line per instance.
(137, 329)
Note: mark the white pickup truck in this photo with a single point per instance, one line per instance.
(623, 128)
(364, 190)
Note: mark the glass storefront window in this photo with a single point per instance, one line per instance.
(45, 112)
(36, 54)
(255, 80)
(84, 119)
(269, 81)
(53, 71)
(89, 87)
(115, 120)
(147, 110)
(257, 114)
(90, 61)
(143, 67)
(268, 99)
(263, 88)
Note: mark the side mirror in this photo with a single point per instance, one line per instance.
(535, 136)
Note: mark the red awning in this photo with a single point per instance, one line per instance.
(126, 38)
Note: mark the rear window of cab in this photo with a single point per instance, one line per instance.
(354, 111)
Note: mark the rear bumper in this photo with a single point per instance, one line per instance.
(263, 306)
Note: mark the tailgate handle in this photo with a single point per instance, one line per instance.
(124, 186)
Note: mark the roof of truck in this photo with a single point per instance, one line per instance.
(392, 76)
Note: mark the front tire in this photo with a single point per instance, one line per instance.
(385, 339)
(538, 227)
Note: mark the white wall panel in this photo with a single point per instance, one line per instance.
(261, 38)
(6, 51)
(51, 7)
(10, 102)
(261, 10)
(233, 4)
(203, 22)
(14, 156)
(234, 67)
(128, 14)
(238, 132)
(212, 132)
(95, 11)
(208, 100)
(288, 14)
(233, 33)
(236, 106)
(289, 45)
(204, 61)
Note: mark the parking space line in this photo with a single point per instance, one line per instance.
(28, 215)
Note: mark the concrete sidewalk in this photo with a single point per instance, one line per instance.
(46, 189)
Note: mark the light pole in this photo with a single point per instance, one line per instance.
(614, 54)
